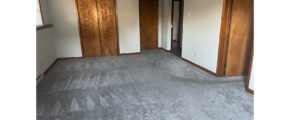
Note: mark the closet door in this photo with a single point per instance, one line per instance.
(148, 24)
(108, 27)
(89, 28)
(240, 38)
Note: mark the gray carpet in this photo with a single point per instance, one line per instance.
(153, 85)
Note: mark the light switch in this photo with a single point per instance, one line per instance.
(188, 13)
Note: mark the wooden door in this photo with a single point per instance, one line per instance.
(148, 24)
(89, 28)
(108, 27)
(240, 38)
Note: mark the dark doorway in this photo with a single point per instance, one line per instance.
(176, 27)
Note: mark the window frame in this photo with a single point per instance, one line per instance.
(43, 26)
(40, 11)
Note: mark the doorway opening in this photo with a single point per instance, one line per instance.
(176, 27)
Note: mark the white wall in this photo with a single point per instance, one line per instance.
(45, 48)
(65, 30)
(166, 6)
(176, 20)
(201, 32)
(251, 85)
(62, 14)
(129, 27)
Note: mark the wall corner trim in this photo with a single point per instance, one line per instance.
(57, 59)
(46, 71)
(164, 49)
(250, 91)
(136, 53)
(69, 58)
(202, 68)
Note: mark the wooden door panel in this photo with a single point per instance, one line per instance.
(152, 44)
(89, 28)
(154, 23)
(108, 27)
(145, 34)
(142, 15)
(143, 45)
(240, 38)
(149, 24)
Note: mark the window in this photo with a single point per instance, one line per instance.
(38, 14)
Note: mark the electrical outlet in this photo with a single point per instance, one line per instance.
(41, 63)
(165, 43)
(194, 54)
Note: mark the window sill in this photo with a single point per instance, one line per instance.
(43, 26)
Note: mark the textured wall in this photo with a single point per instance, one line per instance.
(45, 47)
(45, 50)
(63, 16)
(201, 31)
(166, 7)
(129, 25)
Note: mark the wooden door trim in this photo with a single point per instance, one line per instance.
(140, 23)
(117, 27)
(250, 71)
(179, 22)
(172, 23)
(157, 24)
(250, 91)
(79, 27)
(40, 12)
(224, 33)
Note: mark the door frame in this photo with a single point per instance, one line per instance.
(80, 33)
(224, 36)
(179, 23)
(172, 23)
(117, 27)
(157, 24)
